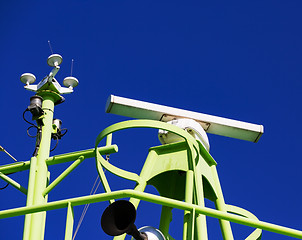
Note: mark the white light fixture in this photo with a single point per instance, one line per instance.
(211, 124)
(70, 82)
(54, 60)
(57, 123)
(27, 78)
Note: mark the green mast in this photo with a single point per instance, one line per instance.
(181, 169)
(39, 175)
(49, 91)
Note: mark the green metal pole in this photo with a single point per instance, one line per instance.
(144, 175)
(140, 187)
(165, 220)
(35, 223)
(69, 222)
(201, 222)
(220, 205)
(30, 194)
(188, 230)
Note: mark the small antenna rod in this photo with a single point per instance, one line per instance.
(50, 47)
(71, 67)
(3, 150)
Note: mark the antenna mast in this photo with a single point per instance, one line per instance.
(181, 169)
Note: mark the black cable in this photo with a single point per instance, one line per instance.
(39, 137)
(47, 109)
(62, 134)
(26, 110)
(55, 137)
(39, 134)
(28, 134)
(1, 188)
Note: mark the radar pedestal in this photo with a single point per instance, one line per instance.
(182, 170)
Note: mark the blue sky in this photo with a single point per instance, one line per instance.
(235, 59)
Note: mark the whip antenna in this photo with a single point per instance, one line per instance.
(71, 68)
(50, 47)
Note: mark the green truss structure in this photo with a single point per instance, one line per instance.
(184, 173)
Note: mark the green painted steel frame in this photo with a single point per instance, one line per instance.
(196, 153)
(154, 199)
(141, 179)
(196, 150)
(38, 182)
(75, 157)
(231, 213)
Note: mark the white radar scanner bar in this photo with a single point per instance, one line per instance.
(211, 124)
